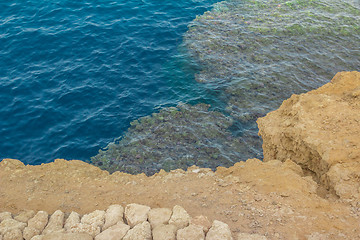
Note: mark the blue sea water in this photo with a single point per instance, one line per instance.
(73, 74)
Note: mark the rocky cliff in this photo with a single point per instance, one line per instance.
(307, 187)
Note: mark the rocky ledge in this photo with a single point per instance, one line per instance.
(307, 187)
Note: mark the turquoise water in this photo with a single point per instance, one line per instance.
(165, 84)
(73, 74)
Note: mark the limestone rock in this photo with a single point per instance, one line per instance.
(115, 232)
(219, 230)
(56, 223)
(5, 215)
(180, 218)
(141, 231)
(25, 215)
(319, 131)
(30, 232)
(13, 234)
(92, 230)
(164, 232)
(72, 221)
(247, 236)
(159, 216)
(96, 218)
(191, 232)
(67, 236)
(114, 214)
(39, 221)
(10, 224)
(136, 213)
(202, 221)
(37, 237)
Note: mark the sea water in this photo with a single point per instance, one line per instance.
(73, 74)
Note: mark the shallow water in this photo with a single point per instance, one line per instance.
(77, 77)
(73, 74)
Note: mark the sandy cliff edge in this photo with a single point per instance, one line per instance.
(311, 190)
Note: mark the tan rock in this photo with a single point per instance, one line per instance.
(10, 224)
(72, 221)
(219, 230)
(114, 214)
(141, 231)
(191, 232)
(164, 232)
(30, 232)
(13, 234)
(39, 221)
(159, 216)
(202, 221)
(180, 218)
(25, 215)
(115, 232)
(67, 236)
(37, 237)
(96, 218)
(5, 215)
(136, 213)
(247, 236)
(319, 131)
(92, 230)
(56, 223)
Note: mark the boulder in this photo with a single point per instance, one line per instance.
(72, 221)
(13, 234)
(39, 221)
(10, 224)
(114, 214)
(95, 218)
(219, 230)
(115, 232)
(136, 213)
(191, 232)
(67, 236)
(56, 223)
(159, 216)
(5, 215)
(164, 232)
(180, 218)
(25, 215)
(202, 221)
(141, 231)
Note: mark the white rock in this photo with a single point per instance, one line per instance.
(159, 216)
(56, 223)
(30, 232)
(96, 218)
(180, 218)
(202, 221)
(247, 236)
(72, 221)
(5, 215)
(13, 234)
(114, 214)
(136, 213)
(37, 237)
(67, 236)
(219, 230)
(92, 230)
(39, 221)
(164, 232)
(25, 215)
(10, 224)
(116, 232)
(141, 231)
(191, 232)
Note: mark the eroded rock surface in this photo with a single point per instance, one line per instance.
(320, 131)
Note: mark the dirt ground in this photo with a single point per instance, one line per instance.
(273, 198)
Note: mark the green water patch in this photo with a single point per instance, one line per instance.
(175, 137)
(261, 52)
